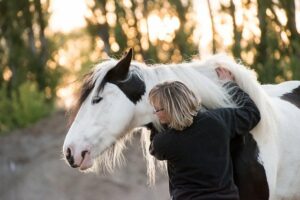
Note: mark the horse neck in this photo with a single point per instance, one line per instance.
(200, 78)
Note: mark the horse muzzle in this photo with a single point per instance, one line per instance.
(82, 160)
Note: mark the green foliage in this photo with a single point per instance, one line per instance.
(26, 106)
(25, 51)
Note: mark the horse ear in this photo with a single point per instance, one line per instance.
(120, 71)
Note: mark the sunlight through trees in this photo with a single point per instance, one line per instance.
(50, 56)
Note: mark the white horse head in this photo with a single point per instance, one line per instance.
(108, 105)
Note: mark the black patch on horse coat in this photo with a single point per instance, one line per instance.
(293, 97)
(249, 175)
(133, 86)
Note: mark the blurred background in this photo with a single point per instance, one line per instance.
(47, 45)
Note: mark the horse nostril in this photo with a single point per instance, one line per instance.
(83, 153)
(70, 158)
(68, 153)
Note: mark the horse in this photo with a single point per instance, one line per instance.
(113, 104)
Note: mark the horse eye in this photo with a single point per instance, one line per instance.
(96, 99)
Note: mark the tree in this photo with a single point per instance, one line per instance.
(24, 47)
(277, 48)
(123, 24)
(27, 84)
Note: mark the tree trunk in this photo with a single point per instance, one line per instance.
(182, 36)
(139, 35)
(290, 10)
(28, 22)
(214, 49)
(42, 58)
(237, 34)
(120, 36)
(12, 82)
(42, 38)
(262, 45)
(103, 29)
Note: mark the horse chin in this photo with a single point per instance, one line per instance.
(85, 167)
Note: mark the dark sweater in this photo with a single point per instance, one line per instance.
(198, 158)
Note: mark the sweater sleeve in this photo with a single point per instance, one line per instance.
(152, 130)
(244, 118)
(161, 144)
(160, 147)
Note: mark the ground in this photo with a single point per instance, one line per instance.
(31, 168)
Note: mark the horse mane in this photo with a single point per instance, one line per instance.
(200, 77)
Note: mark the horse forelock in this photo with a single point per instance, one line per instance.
(86, 87)
(88, 84)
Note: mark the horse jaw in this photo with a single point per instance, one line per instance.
(143, 113)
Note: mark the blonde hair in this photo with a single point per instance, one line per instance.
(178, 101)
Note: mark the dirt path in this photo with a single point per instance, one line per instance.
(31, 169)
